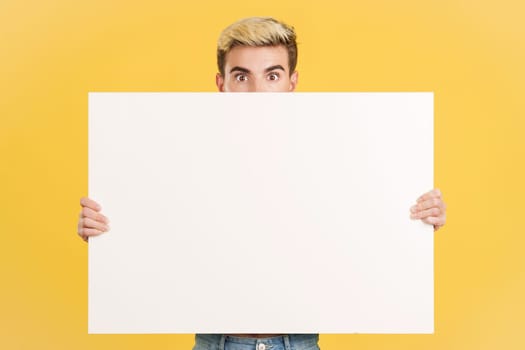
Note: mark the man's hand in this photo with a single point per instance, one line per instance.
(91, 222)
(430, 208)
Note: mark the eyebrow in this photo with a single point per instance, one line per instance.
(239, 69)
(277, 66)
(244, 70)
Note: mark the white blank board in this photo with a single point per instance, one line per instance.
(261, 213)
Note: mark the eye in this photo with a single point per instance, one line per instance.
(273, 76)
(241, 77)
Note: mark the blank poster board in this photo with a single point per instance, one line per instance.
(261, 213)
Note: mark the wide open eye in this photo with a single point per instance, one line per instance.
(273, 76)
(241, 77)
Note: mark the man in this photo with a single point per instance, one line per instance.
(258, 55)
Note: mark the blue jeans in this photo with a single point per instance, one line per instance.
(285, 342)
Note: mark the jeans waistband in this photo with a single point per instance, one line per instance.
(287, 341)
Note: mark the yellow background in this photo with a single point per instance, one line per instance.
(470, 53)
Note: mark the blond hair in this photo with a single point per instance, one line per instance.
(257, 31)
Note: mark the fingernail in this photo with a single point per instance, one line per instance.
(413, 209)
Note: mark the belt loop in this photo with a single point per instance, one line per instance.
(222, 341)
(287, 345)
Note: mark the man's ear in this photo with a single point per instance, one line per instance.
(294, 80)
(219, 81)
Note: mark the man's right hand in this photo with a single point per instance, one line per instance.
(91, 222)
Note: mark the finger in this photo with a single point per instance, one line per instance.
(89, 232)
(90, 223)
(88, 202)
(432, 212)
(427, 204)
(84, 238)
(92, 214)
(435, 193)
(433, 220)
(81, 234)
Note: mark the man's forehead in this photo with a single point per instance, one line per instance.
(257, 59)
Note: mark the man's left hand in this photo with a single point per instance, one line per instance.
(430, 209)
